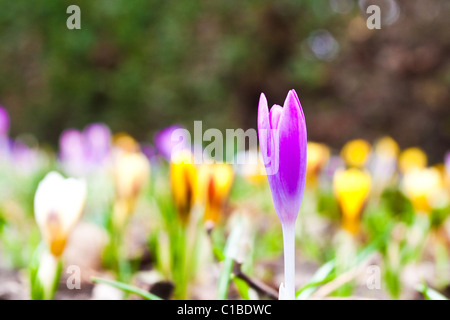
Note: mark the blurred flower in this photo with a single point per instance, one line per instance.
(384, 162)
(424, 187)
(183, 178)
(171, 139)
(82, 152)
(71, 151)
(214, 185)
(412, 158)
(58, 205)
(386, 147)
(131, 170)
(98, 143)
(317, 157)
(356, 152)
(352, 187)
(282, 139)
(24, 158)
(4, 121)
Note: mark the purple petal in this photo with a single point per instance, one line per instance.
(275, 114)
(266, 140)
(4, 121)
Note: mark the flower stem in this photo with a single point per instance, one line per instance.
(289, 260)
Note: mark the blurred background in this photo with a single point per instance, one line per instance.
(141, 65)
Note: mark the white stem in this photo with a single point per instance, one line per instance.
(289, 260)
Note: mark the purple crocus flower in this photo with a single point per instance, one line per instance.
(4, 121)
(98, 143)
(171, 139)
(282, 139)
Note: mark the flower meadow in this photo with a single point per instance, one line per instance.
(104, 216)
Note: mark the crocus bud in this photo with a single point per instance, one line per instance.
(411, 159)
(356, 153)
(58, 205)
(183, 179)
(215, 182)
(423, 187)
(131, 170)
(352, 188)
(282, 141)
(383, 164)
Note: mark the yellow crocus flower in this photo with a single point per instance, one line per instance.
(423, 187)
(387, 147)
(355, 153)
(183, 178)
(131, 170)
(412, 158)
(317, 155)
(215, 181)
(352, 187)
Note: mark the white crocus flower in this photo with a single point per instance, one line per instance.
(58, 204)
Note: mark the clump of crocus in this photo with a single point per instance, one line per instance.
(282, 138)
(424, 188)
(317, 157)
(356, 153)
(412, 159)
(351, 187)
(58, 205)
(82, 152)
(131, 170)
(183, 182)
(215, 181)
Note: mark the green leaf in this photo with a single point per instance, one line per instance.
(127, 288)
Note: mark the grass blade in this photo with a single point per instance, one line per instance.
(127, 288)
